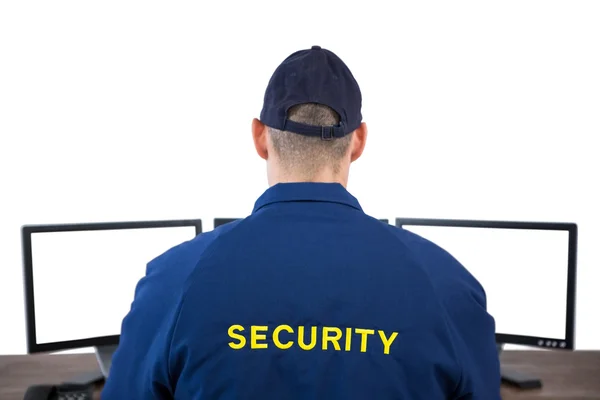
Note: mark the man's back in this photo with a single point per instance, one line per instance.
(309, 298)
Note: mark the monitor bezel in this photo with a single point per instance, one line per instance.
(28, 230)
(502, 338)
(217, 222)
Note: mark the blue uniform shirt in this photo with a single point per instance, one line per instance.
(307, 298)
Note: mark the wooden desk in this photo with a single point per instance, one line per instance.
(17, 373)
(566, 375)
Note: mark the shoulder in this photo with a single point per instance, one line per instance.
(446, 273)
(167, 274)
(183, 258)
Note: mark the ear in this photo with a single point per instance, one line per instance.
(259, 135)
(359, 140)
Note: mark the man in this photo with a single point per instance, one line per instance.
(308, 297)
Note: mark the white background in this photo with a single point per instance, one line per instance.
(121, 110)
(84, 281)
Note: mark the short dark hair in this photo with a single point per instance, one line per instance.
(306, 153)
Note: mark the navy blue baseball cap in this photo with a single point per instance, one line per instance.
(318, 76)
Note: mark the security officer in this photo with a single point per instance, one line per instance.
(308, 297)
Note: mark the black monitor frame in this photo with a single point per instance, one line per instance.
(222, 221)
(501, 338)
(28, 230)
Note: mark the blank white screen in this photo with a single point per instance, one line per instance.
(84, 281)
(523, 272)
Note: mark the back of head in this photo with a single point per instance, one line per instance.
(311, 111)
(305, 156)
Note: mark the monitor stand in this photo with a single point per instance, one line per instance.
(516, 378)
(104, 357)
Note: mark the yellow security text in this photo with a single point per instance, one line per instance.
(307, 338)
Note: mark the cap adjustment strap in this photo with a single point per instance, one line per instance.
(325, 132)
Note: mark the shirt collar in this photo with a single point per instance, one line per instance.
(307, 191)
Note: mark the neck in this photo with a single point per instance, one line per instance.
(325, 176)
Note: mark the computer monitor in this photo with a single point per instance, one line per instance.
(527, 269)
(80, 280)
